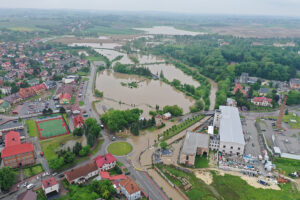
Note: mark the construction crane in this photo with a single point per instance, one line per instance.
(279, 120)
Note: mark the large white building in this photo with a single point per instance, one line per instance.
(227, 119)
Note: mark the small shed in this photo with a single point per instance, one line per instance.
(167, 116)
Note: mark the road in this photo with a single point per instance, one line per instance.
(142, 178)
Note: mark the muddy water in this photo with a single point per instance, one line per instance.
(167, 30)
(149, 92)
(97, 45)
(171, 72)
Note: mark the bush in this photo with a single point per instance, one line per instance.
(85, 151)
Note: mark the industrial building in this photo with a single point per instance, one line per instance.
(227, 119)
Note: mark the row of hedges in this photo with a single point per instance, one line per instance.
(174, 130)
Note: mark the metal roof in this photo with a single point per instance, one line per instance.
(230, 125)
(194, 140)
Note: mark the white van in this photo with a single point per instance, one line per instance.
(30, 186)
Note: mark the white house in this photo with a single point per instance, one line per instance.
(50, 185)
(105, 162)
(82, 174)
(262, 101)
(130, 189)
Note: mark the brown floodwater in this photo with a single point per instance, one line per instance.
(171, 72)
(148, 94)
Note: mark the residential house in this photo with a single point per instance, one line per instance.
(27, 195)
(240, 88)
(50, 84)
(39, 89)
(4, 106)
(64, 98)
(78, 121)
(82, 174)
(295, 83)
(167, 116)
(231, 102)
(262, 101)
(5, 90)
(158, 120)
(33, 82)
(50, 185)
(263, 91)
(194, 144)
(130, 189)
(105, 162)
(15, 153)
(26, 92)
(244, 78)
(13, 99)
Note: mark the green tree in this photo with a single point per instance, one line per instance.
(163, 145)
(7, 178)
(78, 131)
(69, 157)
(174, 110)
(56, 163)
(91, 140)
(103, 188)
(62, 110)
(77, 147)
(85, 150)
(98, 93)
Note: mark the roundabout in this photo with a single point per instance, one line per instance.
(119, 148)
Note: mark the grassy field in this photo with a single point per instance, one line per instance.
(95, 58)
(81, 103)
(201, 162)
(287, 165)
(119, 148)
(49, 146)
(289, 117)
(229, 187)
(33, 170)
(31, 127)
(97, 147)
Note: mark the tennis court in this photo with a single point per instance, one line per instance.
(52, 127)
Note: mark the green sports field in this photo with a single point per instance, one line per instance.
(52, 127)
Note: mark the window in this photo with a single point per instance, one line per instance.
(224, 146)
(239, 148)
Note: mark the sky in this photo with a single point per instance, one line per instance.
(236, 7)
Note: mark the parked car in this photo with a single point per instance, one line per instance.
(263, 182)
(127, 173)
(30, 186)
(61, 176)
(25, 184)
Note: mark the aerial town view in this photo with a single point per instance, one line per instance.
(158, 100)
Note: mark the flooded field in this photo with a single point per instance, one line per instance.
(148, 94)
(171, 72)
(167, 30)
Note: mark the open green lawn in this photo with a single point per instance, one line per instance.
(95, 58)
(31, 128)
(289, 117)
(119, 148)
(201, 162)
(82, 73)
(33, 170)
(86, 79)
(287, 165)
(81, 103)
(50, 146)
(229, 187)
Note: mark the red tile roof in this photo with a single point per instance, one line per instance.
(17, 149)
(39, 87)
(106, 159)
(240, 88)
(78, 120)
(26, 92)
(49, 182)
(105, 175)
(65, 96)
(12, 138)
(81, 171)
(130, 186)
(262, 99)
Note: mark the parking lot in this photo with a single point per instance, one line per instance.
(36, 107)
